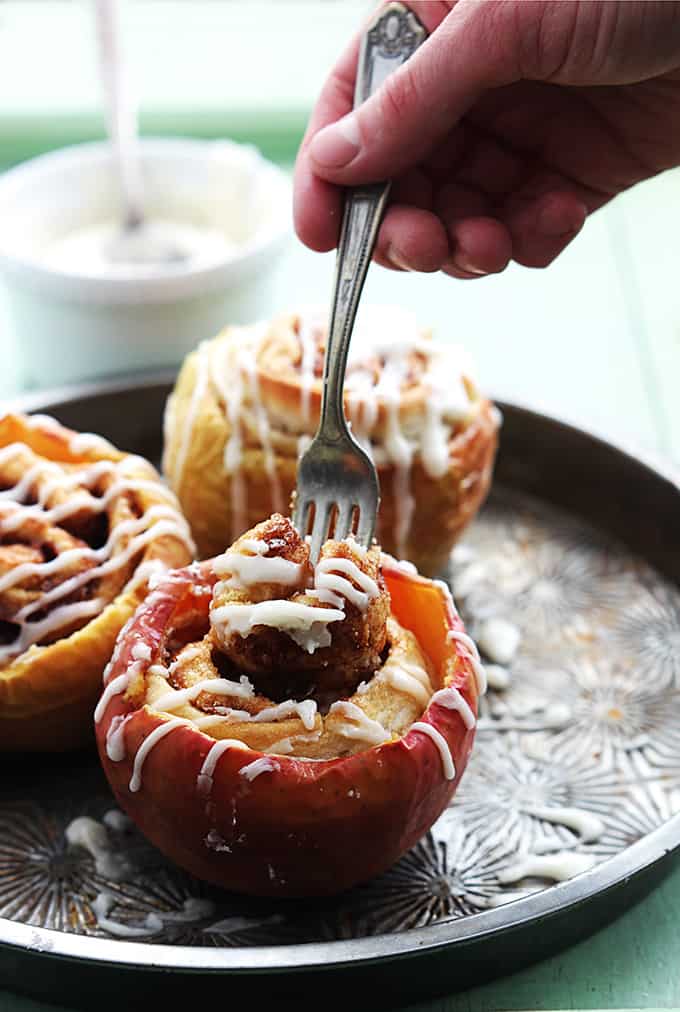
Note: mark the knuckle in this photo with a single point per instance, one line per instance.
(399, 95)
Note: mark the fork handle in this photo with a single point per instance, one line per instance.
(364, 208)
(389, 40)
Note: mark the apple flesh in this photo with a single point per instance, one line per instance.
(300, 828)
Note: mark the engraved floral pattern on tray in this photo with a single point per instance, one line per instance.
(575, 760)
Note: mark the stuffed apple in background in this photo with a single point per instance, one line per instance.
(247, 403)
(284, 729)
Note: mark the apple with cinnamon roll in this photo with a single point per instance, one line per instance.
(263, 718)
(247, 403)
(83, 526)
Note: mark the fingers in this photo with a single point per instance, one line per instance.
(418, 104)
(480, 246)
(414, 131)
(315, 203)
(462, 238)
(317, 210)
(412, 239)
(543, 226)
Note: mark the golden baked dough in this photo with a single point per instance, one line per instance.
(234, 730)
(351, 657)
(82, 528)
(246, 403)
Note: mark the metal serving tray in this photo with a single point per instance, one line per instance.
(575, 773)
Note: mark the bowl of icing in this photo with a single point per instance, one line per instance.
(78, 315)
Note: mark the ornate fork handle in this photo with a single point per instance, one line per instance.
(388, 42)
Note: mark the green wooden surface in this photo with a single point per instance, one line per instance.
(594, 339)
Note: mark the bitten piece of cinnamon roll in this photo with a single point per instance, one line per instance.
(83, 527)
(246, 404)
(284, 729)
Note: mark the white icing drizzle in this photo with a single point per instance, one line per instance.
(157, 521)
(225, 713)
(216, 686)
(194, 908)
(115, 737)
(499, 639)
(259, 766)
(330, 587)
(115, 687)
(471, 653)
(94, 838)
(38, 421)
(204, 781)
(158, 669)
(117, 821)
(559, 866)
(497, 676)
(586, 825)
(248, 570)
(84, 442)
(229, 383)
(391, 337)
(434, 446)
(305, 710)
(284, 746)
(304, 623)
(411, 679)
(146, 746)
(189, 422)
(442, 745)
(141, 652)
(453, 700)
(469, 577)
(102, 907)
(399, 449)
(250, 363)
(361, 726)
(307, 325)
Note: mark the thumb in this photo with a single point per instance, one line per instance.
(417, 105)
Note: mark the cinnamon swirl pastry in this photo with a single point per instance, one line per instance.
(247, 402)
(283, 729)
(82, 528)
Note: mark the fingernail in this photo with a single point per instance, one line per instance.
(395, 257)
(554, 221)
(337, 144)
(463, 264)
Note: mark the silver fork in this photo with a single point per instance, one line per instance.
(337, 483)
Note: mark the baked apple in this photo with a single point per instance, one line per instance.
(284, 729)
(247, 403)
(82, 527)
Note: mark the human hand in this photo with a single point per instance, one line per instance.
(512, 122)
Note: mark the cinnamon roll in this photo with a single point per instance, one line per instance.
(285, 729)
(82, 529)
(246, 404)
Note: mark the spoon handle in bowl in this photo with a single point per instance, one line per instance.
(121, 110)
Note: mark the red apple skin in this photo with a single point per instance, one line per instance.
(305, 828)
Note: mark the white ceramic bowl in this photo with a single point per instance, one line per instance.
(72, 325)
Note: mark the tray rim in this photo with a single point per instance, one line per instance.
(639, 857)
